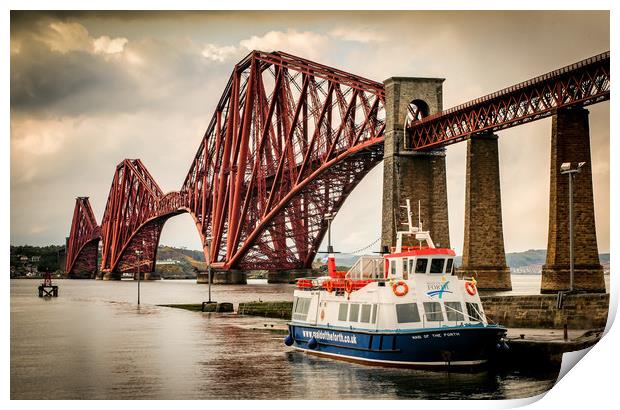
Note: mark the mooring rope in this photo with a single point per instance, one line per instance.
(365, 247)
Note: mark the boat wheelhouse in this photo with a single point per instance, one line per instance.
(405, 308)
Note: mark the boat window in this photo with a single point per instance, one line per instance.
(420, 266)
(432, 310)
(343, 311)
(354, 312)
(473, 310)
(393, 266)
(405, 276)
(374, 313)
(411, 265)
(454, 311)
(300, 310)
(449, 266)
(365, 316)
(437, 265)
(407, 313)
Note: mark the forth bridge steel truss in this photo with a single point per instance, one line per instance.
(83, 243)
(289, 140)
(584, 83)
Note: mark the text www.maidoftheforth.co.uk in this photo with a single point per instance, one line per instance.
(332, 337)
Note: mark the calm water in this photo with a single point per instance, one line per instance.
(92, 342)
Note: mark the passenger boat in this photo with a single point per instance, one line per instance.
(406, 309)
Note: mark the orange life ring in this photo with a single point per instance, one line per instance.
(348, 285)
(470, 287)
(329, 286)
(400, 288)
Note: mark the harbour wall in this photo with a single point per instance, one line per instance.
(279, 310)
(581, 311)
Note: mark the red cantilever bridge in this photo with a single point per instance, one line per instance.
(288, 142)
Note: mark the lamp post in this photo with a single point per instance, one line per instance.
(329, 218)
(209, 265)
(138, 252)
(570, 169)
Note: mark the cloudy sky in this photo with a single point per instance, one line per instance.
(90, 89)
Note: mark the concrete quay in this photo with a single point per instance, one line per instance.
(534, 346)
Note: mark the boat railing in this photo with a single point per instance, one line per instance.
(339, 285)
(481, 318)
(367, 267)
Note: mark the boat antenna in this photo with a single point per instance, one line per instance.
(419, 215)
(419, 222)
(409, 215)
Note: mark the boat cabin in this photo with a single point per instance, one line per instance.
(412, 287)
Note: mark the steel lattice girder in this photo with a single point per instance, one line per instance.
(83, 237)
(127, 225)
(583, 83)
(280, 125)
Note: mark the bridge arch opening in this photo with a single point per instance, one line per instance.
(179, 240)
(417, 110)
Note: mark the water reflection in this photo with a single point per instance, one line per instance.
(93, 342)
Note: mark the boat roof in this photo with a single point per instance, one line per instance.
(423, 252)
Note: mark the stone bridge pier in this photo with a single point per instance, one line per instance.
(223, 277)
(407, 174)
(484, 257)
(570, 142)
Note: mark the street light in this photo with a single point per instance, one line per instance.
(139, 252)
(329, 218)
(570, 169)
(208, 239)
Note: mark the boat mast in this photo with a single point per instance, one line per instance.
(417, 232)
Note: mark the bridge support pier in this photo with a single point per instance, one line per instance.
(289, 275)
(223, 277)
(417, 176)
(112, 276)
(484, 257)
(570, 142)
(147, 276)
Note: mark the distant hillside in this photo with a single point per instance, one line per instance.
(30, 260)
(165, 252)
(530, 261)
(178, 263)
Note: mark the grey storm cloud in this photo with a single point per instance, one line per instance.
(54, 82)
(78, 81)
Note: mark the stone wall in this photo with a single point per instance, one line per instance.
(280, 310)
(581, 311)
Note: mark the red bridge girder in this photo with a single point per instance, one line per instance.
(83, 244)
(283, 124)
(583, 83)
(288, 142)
(133, 219)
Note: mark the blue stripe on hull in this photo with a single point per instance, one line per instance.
(455, 346)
